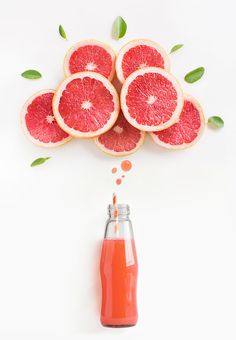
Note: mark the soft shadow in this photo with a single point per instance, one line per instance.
(117, 84)
(89, 321)
(153, 148)
(90, 146)
(113, 31)
(97, 291)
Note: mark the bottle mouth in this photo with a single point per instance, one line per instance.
(123, 209)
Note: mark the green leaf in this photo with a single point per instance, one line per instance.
(39, 161)
(216, 122)
(194, 75)
(62, 32)
(176, 47)
(120, 27)
(31, 74)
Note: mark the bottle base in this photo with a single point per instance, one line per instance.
(118, 322)
(118, 326)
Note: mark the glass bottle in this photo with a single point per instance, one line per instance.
(119, 269)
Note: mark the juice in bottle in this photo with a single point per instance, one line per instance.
(119, 269)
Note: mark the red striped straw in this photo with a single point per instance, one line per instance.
(115, 213)
(114, 199)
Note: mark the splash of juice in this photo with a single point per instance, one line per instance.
(118, 181)
(126, 165)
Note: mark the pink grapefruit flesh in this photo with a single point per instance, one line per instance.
(138, 54)
(86, 105)
(38, 121)
(121, 139)
(151, 99)
(90, 55)
(186, 131)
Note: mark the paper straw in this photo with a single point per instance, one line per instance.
(116, 214)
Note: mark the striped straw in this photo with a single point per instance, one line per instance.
(116, 214)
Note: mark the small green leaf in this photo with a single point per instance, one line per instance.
(216, 122)
(194, 75)
(62, 32)
(120, 27)
(39, 161)
(31, 74)
(176, 47)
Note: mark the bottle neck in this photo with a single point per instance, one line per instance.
(120, 212)
(119, 226)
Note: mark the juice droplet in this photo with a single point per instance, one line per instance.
(114, 170)
(126, 165)
(118, 181)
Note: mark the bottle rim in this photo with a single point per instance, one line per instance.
(123, 209)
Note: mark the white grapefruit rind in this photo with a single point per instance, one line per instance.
(200, 132)
(122, 153)
(134, 43)
(175, 114)
(25, 129)
(62, 87)
(89, 42)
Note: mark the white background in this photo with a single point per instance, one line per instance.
(182, 203)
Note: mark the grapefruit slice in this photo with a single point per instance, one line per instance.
(122, 139)
(90, 55)
(186, 131)
(86, 105)
(138, 54)
(39, 123)
(151, 99)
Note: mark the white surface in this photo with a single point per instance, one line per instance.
(182, 203)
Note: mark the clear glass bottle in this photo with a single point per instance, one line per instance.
(119, 269)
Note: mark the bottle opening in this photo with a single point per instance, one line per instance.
(123, 209)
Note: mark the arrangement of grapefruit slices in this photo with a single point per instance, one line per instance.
(87, 105)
